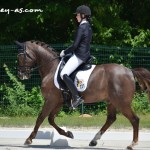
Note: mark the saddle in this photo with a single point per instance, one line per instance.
(83, 67)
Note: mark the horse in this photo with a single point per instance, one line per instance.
(112, 83)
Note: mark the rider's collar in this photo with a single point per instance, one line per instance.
(83, 21)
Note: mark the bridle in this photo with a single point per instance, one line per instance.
(27, 69)
(22, 51)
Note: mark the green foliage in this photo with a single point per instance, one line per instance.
(140, 39)
(17, 101)
(109, 28)
(140, 103)
(119, 23)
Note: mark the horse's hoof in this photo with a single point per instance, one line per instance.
(28, 142)
(70, 135)
(129, 148)
(93, 143)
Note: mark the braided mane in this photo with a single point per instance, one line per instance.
(44, 45)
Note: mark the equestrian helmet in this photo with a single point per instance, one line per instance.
(83, 9)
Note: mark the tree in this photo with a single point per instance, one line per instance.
(115, 22)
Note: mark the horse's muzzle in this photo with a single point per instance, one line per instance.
(23, 75)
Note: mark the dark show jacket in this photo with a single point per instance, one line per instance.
(81, 44)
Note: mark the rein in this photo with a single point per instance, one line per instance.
(37, 67)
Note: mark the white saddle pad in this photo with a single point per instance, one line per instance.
(81, 79)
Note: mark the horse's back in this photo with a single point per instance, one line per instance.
(117, 70)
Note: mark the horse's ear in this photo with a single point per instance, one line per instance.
(19, 44)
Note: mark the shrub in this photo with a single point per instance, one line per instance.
(16, 100)
(140, 103)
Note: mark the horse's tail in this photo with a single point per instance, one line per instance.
(142, 75)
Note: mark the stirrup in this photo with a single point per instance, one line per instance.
(76, 102)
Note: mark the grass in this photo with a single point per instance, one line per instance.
(75, 121)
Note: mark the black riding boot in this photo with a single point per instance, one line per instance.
(76, 98)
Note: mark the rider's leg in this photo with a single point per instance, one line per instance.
(76, 98)
(70, 66)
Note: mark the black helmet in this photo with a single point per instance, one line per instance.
(83, 9)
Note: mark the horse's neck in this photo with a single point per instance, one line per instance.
(48, 68)
(48, 64)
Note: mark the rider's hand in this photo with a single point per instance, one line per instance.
(62, 54)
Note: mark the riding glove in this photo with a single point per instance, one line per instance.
(62, 54)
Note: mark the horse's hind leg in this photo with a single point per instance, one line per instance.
(44, 113)
(52, 122)
(134, 120)
(111, 117)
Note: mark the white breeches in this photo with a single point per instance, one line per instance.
(71, 65)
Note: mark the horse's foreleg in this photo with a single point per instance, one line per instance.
(44, 113)
(52, 122)
(111, 117)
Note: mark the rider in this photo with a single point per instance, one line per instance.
(80, 49)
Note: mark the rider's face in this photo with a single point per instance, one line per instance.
(78, 17)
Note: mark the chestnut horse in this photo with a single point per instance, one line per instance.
(110, 82)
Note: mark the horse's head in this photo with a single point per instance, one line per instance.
(25, 61)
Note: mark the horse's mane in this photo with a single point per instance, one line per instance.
(45, 46)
